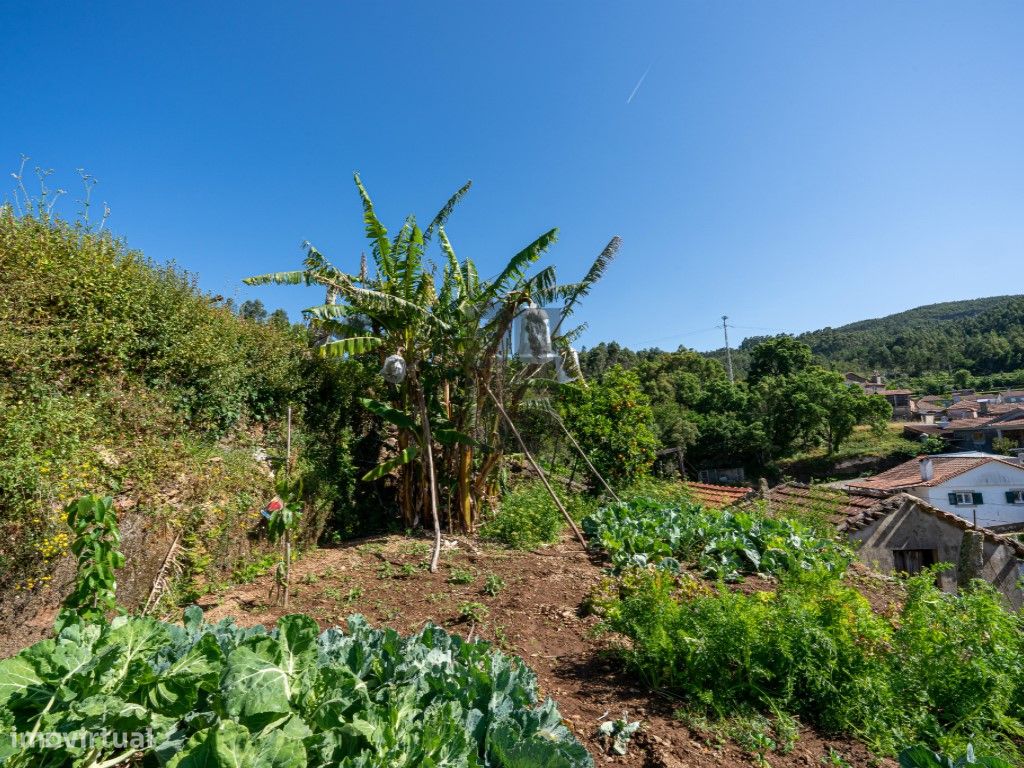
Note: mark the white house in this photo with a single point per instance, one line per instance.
(985, 489)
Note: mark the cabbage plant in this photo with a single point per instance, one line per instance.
(99, 695)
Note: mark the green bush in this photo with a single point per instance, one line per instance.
(945, 672)
(76, 307)
(958, 661)
(813, 648)
(526, 519)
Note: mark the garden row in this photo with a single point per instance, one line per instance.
(218, 695)
(948, 670)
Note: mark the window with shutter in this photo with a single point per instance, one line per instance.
(1015, 497)
(965, 498)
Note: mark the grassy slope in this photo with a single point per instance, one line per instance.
(121, 378)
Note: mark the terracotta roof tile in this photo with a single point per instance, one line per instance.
(718, 496)
(908, 474)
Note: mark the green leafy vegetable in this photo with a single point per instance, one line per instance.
(212, 696)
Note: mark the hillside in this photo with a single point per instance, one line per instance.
(984, 336)
(120, 378)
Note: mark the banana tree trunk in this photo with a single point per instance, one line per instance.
(405, 490)
(465, 495)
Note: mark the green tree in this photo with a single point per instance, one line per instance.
(778, 356)
(253, 310)
(962, 379)
(614, 424)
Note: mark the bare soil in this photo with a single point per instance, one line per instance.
(537, 616)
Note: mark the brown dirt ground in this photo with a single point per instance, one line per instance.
(537, 617)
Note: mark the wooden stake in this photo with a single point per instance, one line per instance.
(429, 452)
(538, 470)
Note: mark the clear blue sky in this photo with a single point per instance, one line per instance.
(793, 164)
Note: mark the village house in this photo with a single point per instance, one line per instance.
(985, 489)
(974, 425)
(899, 399)
(904, 534)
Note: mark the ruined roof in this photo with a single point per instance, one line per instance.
(904, 501)
(718, 496)
(908, 474)
(836, 504)
(984, 409)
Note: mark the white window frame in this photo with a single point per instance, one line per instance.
(1018, 495)
(968, 495)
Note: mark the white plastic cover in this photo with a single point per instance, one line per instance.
(394, 369)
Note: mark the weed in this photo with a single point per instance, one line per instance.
(475, 612)
(250, 571)
(493, 584)
(461, 576)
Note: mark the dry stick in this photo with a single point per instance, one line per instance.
(427, 445)
(160, 577)
(538, 470)
(577, 445)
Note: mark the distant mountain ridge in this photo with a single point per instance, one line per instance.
(984, 336)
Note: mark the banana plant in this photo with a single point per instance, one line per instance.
(450, 333)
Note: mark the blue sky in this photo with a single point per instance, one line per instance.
(790, 164)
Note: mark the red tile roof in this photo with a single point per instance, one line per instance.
(908, 474)
(718, 496)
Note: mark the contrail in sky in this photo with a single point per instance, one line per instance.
(638, 84)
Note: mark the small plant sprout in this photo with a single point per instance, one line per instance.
(493, 584)
(615, 735)
(474, 612)
(461, 576)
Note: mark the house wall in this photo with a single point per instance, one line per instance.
(911, 528)
(992, 480)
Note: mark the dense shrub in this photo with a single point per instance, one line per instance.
(528, 517)
(958, 664)
(114, 370)
(946, 671)
(77, 307)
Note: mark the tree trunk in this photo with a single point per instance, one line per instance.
(465, 497)
(428, 459)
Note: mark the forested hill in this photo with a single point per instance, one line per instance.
(984, 336)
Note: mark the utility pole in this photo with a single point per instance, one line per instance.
(728, 352)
